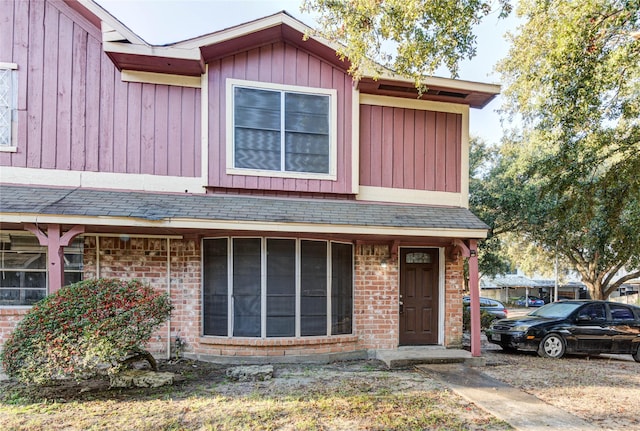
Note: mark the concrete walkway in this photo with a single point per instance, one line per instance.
(521, 410)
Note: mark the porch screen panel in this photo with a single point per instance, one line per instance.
(215, 286)
(313, 288)
(257, 139)
(281, 288)
(341, 288)
(246, 287)
(306, 133)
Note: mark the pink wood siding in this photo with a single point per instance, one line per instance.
(410, 149)
(278, 63)
(80, 115)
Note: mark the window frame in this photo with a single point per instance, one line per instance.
(231, 169)
(43, 251)
(13, 108)
(263, 287)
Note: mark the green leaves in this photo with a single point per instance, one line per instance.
(573, 77)
(411, 37)
(83, 326)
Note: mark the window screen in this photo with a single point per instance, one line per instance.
(246, 287)
(307, 133)
(341, 288)
(286, 284)
(313, 288)
(281, 288)
(215, 294)
(281, 131)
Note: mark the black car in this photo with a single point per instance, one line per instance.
(489, 305)
(576, 326)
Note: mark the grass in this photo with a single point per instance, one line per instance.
(352, 397)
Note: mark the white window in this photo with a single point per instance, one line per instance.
(281, 131)
(8, 105)
(277, 287)
(23, 268)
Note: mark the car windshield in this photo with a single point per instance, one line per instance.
(556, 309)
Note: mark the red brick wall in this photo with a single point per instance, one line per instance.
(454, 291)
(376, 296)
(145, 259)
(9, 318)
(375, 312)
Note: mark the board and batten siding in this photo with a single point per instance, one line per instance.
(74, 111)
(410, 149)
(278, 63)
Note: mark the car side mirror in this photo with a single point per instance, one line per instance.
(584, 318)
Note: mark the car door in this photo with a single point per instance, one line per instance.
(625, 327)
(591, 330)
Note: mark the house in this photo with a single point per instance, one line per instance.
(286, 209)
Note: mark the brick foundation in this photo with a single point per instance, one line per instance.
(375, 324)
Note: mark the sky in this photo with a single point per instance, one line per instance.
(161, 22)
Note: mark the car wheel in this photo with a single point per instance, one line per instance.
(552, 346)
(636, 356)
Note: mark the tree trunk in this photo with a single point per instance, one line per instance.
(594, 288)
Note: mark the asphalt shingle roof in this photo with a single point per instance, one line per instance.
(164, 206)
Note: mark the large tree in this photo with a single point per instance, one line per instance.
(568, 178)
(411, 37)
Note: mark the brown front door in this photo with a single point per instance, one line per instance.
(418, 296)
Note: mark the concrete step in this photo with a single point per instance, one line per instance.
(404, 357)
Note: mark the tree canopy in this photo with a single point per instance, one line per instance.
(567, 177)
(411, 37)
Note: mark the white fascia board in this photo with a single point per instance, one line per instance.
(161, 78)
(249, 226)
(436, 81)
(252, 27)
(154, 51)
(113, 24)
(101, 180)
(419, 104)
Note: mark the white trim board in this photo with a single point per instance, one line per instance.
(248, 226)
(101, 180)
(410, 196)
(160, 78)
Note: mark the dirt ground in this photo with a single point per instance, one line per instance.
(602, 390)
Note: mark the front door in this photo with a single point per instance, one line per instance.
(418, 296)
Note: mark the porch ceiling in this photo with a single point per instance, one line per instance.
(20, 204)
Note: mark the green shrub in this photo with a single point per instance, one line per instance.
(485, 319)
(85, 327)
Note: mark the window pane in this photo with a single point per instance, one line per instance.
(22, 288)
(24, 260)
(281, 288)
(21, 296)
(246, 287)
(418, 258)
(257, 149)
(620, 312)
(72, 277)
(307, 133)
(307, 113)
(313, 295)
(215, 286)
(341, 288)
(19, 279)
(306, 153)
(257, 141)
(7, 106)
